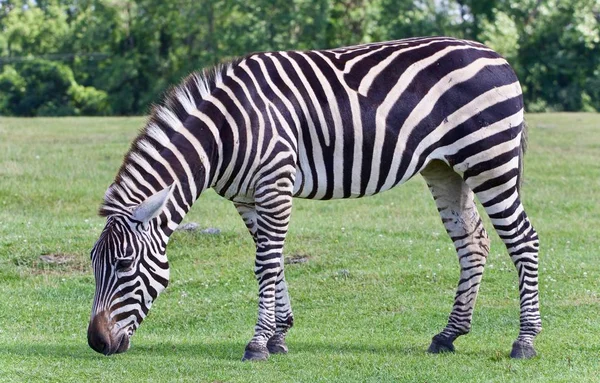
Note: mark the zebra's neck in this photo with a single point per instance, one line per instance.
(180, 146)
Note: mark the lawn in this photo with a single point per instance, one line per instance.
(378, 283)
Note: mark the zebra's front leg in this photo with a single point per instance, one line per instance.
(284, 317)
(271, 214)
(455, 203)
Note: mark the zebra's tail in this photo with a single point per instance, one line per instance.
(522, 150)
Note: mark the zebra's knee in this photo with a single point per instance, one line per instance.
(483, 241)
(267, 273)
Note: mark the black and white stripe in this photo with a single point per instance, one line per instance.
(340, 123)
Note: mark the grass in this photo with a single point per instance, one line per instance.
(378, 284)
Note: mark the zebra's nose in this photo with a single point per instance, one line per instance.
(98, 333)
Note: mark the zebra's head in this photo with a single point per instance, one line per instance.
(131, 270)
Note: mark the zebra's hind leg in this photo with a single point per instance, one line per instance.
(497, 190)
(284, 317)
(455, 203)
(272, 212)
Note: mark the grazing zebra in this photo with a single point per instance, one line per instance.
(339, 123)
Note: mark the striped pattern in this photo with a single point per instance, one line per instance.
(341, 123)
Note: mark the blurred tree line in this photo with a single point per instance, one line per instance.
(102, 57)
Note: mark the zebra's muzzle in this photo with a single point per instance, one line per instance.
(101, 338)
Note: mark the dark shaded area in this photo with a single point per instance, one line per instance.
(295, 259)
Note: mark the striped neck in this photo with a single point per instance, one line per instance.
(179, 146)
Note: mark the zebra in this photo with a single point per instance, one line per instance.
(321, 124)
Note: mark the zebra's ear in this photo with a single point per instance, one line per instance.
(152, 206)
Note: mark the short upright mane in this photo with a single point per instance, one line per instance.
(174, 106)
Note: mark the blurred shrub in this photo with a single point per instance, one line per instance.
(12, 87)
(47, 88)
(89, 101)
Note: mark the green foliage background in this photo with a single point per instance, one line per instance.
(100, 57)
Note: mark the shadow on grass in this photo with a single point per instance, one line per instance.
(228, 350)
(353, 348)
(49, 350)
(235, 350)
(231, 350)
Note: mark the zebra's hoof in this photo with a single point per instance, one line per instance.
(440, 344)
(522, 350)
(255, 352)
(276, 345)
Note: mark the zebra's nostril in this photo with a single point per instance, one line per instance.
(98, 341)
(98, 334)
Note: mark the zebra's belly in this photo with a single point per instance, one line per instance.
(313, 181)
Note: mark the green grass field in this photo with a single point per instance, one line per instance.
(378, 284)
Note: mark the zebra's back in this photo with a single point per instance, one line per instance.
(369, 117)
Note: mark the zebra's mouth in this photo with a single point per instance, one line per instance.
(123, 344)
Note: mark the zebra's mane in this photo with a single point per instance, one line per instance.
(175, 105)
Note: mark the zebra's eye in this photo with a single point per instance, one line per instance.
(124, 264)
